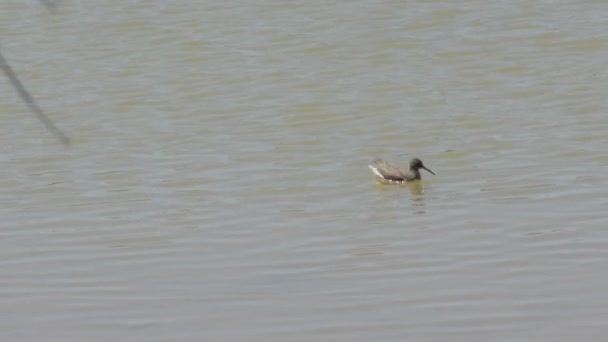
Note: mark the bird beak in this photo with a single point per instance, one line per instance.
(424, 167)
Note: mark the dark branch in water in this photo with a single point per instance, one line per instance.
(31, 102)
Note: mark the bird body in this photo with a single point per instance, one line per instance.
(392, 174)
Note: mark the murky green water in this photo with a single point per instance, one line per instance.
(216, 187)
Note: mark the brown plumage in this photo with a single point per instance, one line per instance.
(392, 174)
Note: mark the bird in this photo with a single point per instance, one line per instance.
(392, 174)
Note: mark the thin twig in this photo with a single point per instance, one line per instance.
(31, 102)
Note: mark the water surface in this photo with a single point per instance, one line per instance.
(216, 186)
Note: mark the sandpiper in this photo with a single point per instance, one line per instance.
(392, 174)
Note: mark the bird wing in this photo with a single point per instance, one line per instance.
(386, 170)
